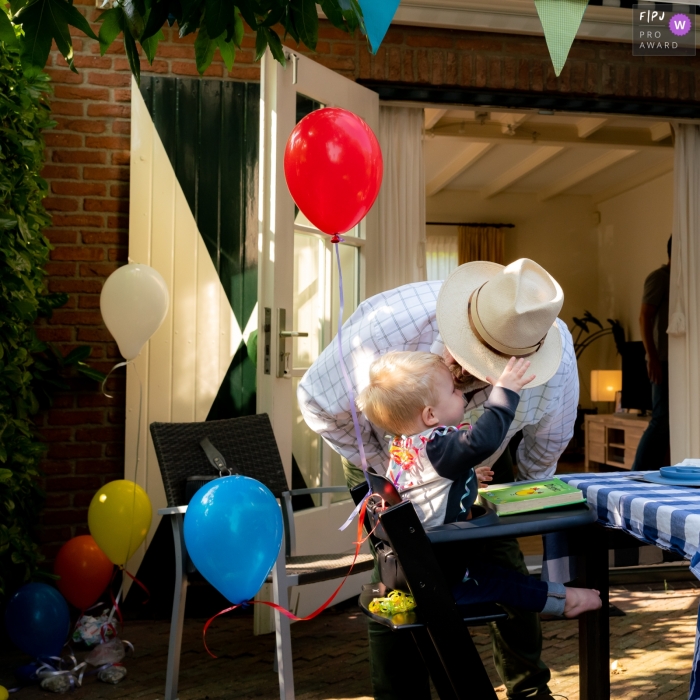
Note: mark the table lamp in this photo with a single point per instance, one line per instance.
(605, 383)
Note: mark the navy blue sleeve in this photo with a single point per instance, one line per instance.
(455, 454)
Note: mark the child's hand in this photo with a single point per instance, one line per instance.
(513, 376)
(483, 475)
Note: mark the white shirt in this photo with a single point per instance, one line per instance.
(404, 319)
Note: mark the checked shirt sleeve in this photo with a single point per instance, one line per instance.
(544, 440)
(401, 319)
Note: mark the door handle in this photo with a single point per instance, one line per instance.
(283, 357)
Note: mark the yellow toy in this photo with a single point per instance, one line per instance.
(395, 602)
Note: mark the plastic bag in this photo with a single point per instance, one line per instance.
(111, 652)
(90, 629)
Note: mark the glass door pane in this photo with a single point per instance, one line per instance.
(308, 315)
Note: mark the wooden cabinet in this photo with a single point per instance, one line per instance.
(612, 439)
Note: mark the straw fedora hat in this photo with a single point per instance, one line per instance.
(488, 313)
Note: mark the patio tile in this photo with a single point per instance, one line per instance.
(652, 644)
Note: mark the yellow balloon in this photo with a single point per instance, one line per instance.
(119, 518)
(3, 693)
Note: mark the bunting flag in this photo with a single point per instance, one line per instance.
(377, 16)
(560, 21)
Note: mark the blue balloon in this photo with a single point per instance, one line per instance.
(37, 620)
(233, 534)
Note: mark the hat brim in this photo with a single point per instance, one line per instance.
(466, 348)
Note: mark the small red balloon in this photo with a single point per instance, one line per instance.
(333, 166)
(84, 569)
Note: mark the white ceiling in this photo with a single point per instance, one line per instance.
(547, 155)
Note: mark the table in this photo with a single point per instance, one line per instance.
(665, 516)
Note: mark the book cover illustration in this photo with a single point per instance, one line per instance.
(528, 496)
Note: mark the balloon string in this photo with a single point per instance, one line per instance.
(348, 384)
(115, 605)
(360, 541)
(136, 466)
(109, 374)
(135, 481)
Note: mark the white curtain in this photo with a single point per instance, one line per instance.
(401, 200)
(440, 256)
(684, 301)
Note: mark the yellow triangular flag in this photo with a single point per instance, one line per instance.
(560, 21)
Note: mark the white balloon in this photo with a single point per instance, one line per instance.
(134, 302)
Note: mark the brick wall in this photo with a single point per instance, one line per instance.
(87, 168)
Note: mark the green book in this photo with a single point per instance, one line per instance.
(527, 496)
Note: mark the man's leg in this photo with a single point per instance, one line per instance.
(390, 652)
(653, 450)
(517, 641)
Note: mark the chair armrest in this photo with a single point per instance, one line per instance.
(175, 510)
(317, 489)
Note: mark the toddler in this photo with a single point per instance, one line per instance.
(434, 461)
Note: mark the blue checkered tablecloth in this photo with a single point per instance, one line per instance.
(665, 516)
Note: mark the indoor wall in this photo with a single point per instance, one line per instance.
(632, 235)
(560, 234)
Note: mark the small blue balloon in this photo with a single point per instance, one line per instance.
(37, 620)
(233, 534)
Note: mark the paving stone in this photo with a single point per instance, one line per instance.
(653, 646)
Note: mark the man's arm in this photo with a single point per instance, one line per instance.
(339, 432)
(646, 325)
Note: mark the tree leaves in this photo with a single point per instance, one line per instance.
(306, 21)
(7, 31)
(110, 28)
(47, 20)
(218, 24)
(204, 48)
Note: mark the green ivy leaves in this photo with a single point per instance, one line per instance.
(30, 371)
(23, 252)
(218, 24)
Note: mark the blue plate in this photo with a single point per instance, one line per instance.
(675, 476)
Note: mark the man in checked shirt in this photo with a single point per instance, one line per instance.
(477, 319)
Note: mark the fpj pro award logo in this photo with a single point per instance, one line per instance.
(662, 33)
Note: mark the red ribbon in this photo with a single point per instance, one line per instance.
(284, 611)
(138, 583)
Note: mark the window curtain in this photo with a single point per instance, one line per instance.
(684, 299)
(440, 256)
(401, 200)
(481, 243)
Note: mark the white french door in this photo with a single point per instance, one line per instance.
(298, 293)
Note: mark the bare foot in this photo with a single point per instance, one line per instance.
(581, 600)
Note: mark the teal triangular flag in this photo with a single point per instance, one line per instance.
(560, 21)
(377, 16)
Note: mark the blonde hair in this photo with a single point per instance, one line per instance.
(401, 385)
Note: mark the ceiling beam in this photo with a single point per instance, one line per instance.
(588, 125)
(433, 116)
(510, 121)
(552, 135)
(660, 131)
(525, 166)
(641, 178)
(579, 175)
(457, 166)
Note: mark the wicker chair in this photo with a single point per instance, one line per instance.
(248, 445)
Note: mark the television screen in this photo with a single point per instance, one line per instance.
(636, 387)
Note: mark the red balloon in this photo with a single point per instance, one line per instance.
(333, 166)
(84, 569)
